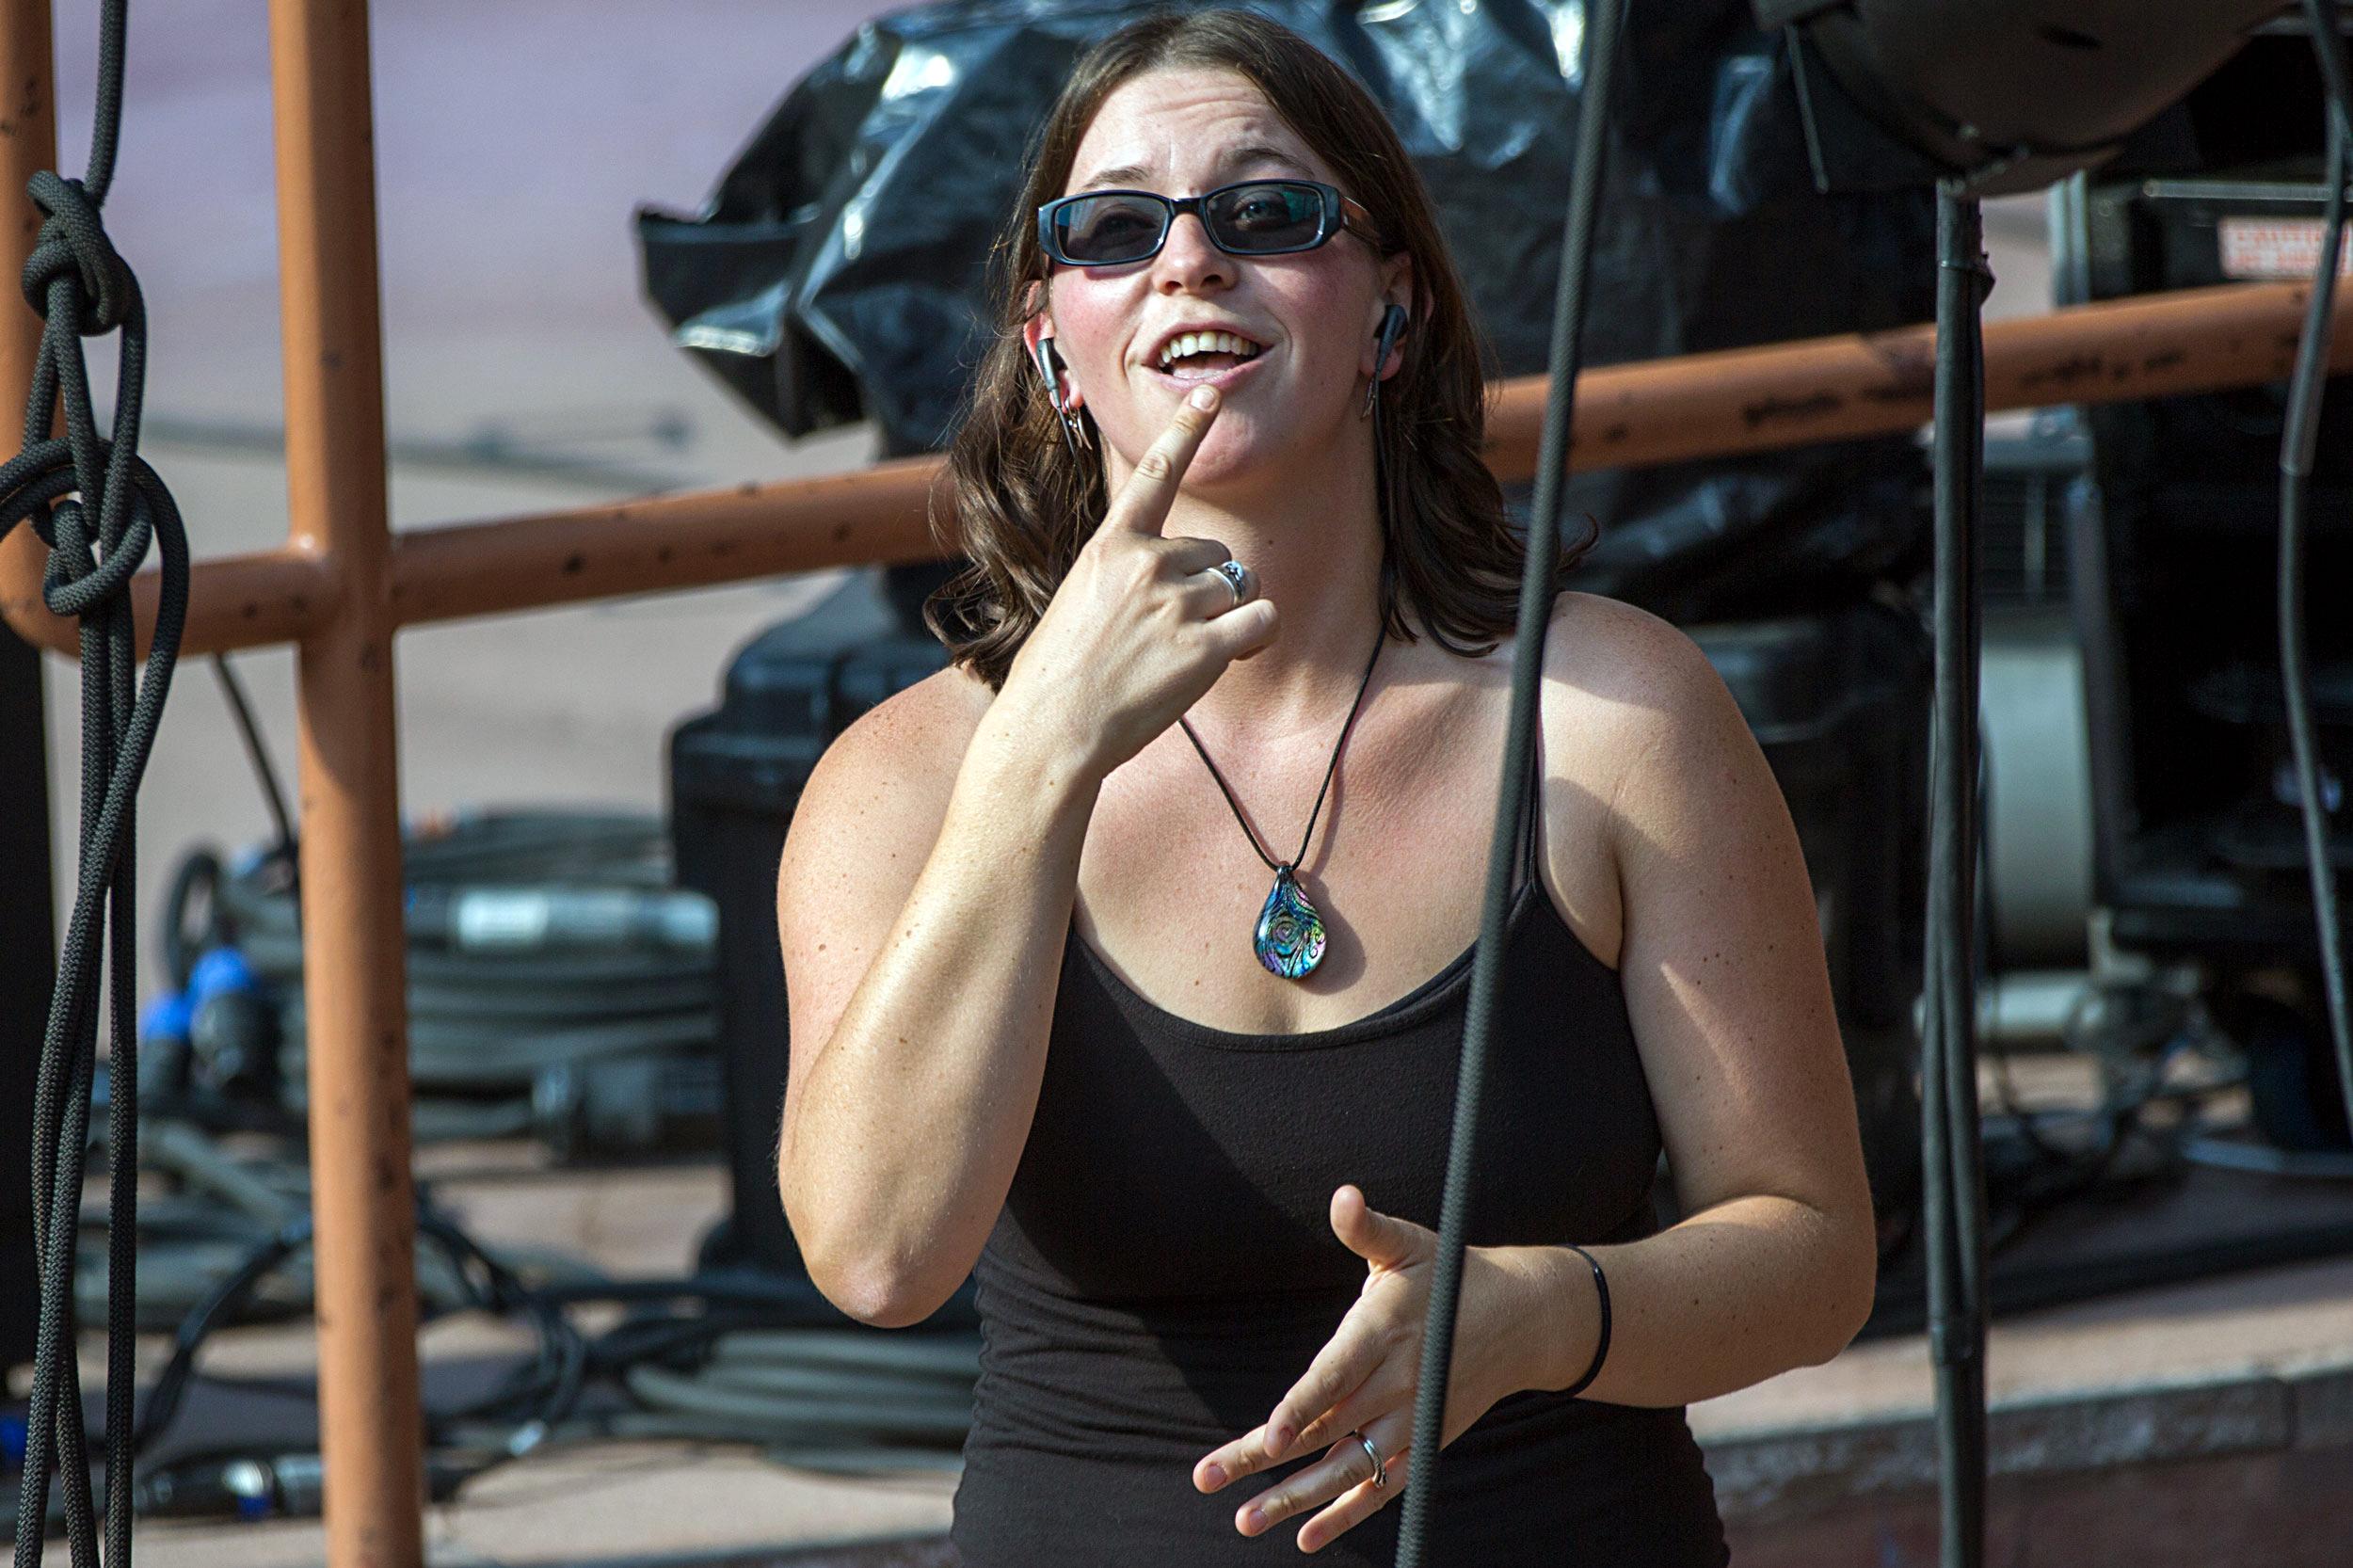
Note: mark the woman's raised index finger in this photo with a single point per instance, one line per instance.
(1143, 502)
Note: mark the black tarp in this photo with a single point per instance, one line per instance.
(837, 273)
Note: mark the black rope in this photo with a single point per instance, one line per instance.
(81, 288)
(2298, 436)
(1603, 21)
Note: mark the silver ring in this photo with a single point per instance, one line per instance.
(1380, 1477)
(1237, 577)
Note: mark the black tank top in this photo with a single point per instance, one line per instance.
(1164, 1270)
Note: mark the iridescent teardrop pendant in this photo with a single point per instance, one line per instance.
(1290, 932)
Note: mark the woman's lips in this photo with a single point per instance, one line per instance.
(1221, 380)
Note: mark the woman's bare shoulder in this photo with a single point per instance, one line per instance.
(1674, 763)
(866, 822)
(890, 774)
(1617, 676)
(1610, 645)
(1606, 678)
(923, 727)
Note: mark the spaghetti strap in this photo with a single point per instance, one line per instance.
(1532, 786)
(1531, 808)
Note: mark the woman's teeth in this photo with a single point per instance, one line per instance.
(1189, 344)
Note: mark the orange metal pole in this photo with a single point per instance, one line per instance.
(28, 144)
(1628, 416)
(1701, 405)
(265, 599)
(261, 599)
(354, 967)
(680, 541)
(1834, 388)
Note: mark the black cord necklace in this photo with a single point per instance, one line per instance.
(1289, 937)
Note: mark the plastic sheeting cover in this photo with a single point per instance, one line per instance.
(837, 272)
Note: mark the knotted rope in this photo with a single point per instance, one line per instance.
(82, 288)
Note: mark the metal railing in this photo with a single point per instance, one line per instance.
(343, 584)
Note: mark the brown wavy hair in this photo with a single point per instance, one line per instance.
(1022, 508)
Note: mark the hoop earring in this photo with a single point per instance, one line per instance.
(1074, 435)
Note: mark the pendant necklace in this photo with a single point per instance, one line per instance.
(1289, 936)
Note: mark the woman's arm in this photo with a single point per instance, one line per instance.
(1728, 992)
(921, 909)
(930, 992)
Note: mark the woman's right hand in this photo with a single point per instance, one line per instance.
(1142, 624)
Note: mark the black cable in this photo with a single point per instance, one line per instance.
(722, 1355)
(2299, 435)
(551, 1380)
(1603, 24)
(552, 963)
(551, 1386)
(82, 287)
(264, 772)
(537, 1400)
(179, 944)
(1951, 1149)
(170, 1386)
(545, 1388)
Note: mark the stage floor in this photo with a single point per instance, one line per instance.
(2169, 1392)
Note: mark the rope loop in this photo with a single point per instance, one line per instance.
(28, 486)
(75, 581)
(34, 487)
(74, 245)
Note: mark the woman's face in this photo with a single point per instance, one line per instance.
(1314, 314)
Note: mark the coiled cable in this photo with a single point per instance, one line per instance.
(547, 949)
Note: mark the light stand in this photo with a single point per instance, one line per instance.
(1951, 1149)
(1990, 98)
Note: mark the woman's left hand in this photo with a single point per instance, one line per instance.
(1366, 1378)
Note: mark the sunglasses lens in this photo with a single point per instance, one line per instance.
(1267, 217)
(1103, 231)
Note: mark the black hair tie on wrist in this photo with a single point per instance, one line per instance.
(1601, 1346)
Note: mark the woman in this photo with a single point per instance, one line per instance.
(1118, 953)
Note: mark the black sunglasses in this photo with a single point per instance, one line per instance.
(1255, 217)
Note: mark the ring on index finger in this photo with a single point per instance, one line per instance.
(1236, 577)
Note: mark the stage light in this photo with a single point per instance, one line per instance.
(2004, 95)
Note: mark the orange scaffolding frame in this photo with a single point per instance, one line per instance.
(343, 584)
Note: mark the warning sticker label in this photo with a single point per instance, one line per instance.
(2275, 248)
